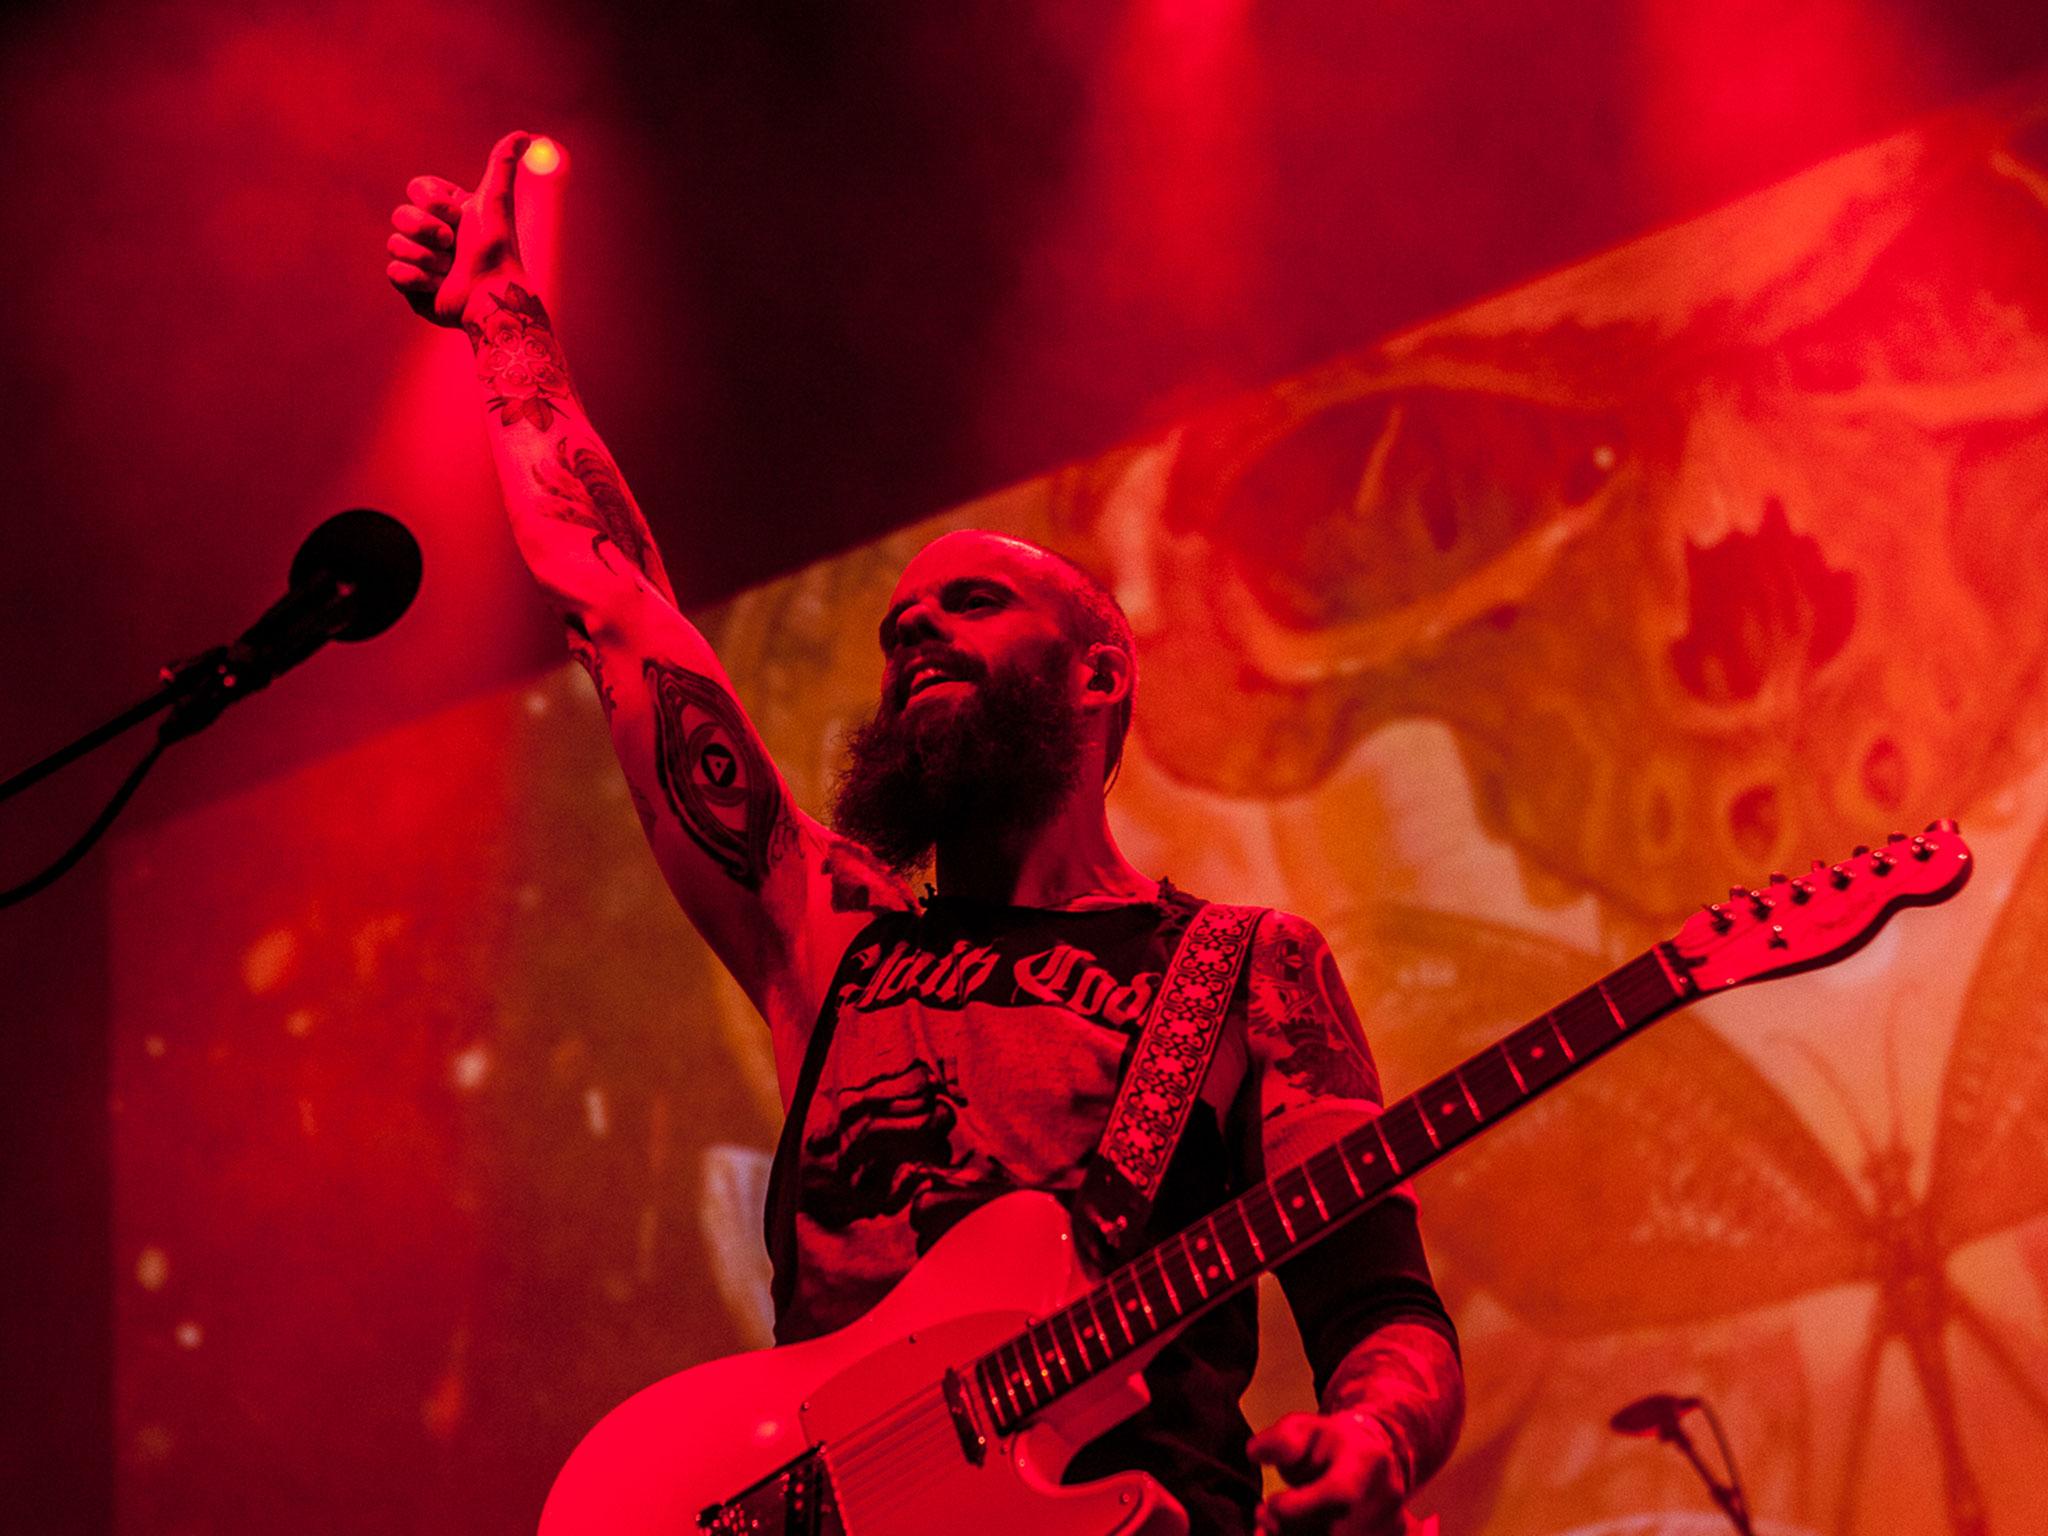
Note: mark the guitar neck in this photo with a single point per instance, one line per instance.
(1163, 1289)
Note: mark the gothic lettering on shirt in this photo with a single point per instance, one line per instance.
(936, 980)
(1064, 976)
(1070, 977)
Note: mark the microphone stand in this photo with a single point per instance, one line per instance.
(1727, 1495)
(36, 772)
(181, 681)
(195, 691)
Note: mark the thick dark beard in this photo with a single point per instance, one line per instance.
(1000, 761)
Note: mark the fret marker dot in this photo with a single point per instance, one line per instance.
(1446, 1108)
(1296, 1202)
(1368, 1157)
(1535, 1053)
(1212, 1272)
(1201, 1245)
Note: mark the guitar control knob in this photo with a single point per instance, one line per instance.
(1802, 892)
(1841, 876)
(1922, 849)
(1760, 904)
(1722, 921)
(1880, 864)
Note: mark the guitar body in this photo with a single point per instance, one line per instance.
(872, 1395)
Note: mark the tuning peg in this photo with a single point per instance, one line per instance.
(1738, 893)
(1778, 877)
(1818, 866)
(1943, 824)
(1859, 850)
(1895, 837)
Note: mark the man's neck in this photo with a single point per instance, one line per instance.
(1070, 860)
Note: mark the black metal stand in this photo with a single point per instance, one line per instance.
(195, 692)
(1729, 1494)
(128, 719)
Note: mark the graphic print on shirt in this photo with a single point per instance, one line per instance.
(885, 1144)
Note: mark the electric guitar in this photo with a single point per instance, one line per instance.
(955, 1404)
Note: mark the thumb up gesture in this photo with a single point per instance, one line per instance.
(445, 241)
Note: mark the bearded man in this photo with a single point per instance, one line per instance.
(972, 1042)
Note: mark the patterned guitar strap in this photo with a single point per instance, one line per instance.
(1175, 1046)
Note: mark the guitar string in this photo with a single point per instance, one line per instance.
(878, 1431)
(868, 1488)
(907, 1474)
(874, 1481)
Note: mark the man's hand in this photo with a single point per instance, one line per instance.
(446, 241)
(1346, 1475)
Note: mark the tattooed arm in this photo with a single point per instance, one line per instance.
(1392, 1393)
(775, 894)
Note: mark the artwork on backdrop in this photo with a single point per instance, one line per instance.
(1494, 649)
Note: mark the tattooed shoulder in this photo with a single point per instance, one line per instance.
(718, 782)
(1301, 1016)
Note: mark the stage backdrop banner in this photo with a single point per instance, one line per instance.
(1494, 649)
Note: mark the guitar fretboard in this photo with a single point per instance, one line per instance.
(1227, 1250)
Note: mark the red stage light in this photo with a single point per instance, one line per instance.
(543, 157)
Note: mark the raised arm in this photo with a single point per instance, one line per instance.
(775, 894)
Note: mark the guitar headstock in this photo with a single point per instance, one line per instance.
(1795, 924)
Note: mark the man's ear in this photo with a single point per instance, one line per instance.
(1108, 673)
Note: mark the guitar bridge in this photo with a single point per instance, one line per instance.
(793, 1500)
(972, 1440)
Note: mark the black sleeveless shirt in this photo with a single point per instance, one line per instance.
(968, 1050)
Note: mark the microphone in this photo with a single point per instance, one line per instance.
(351, 580)
(1657, 1414)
